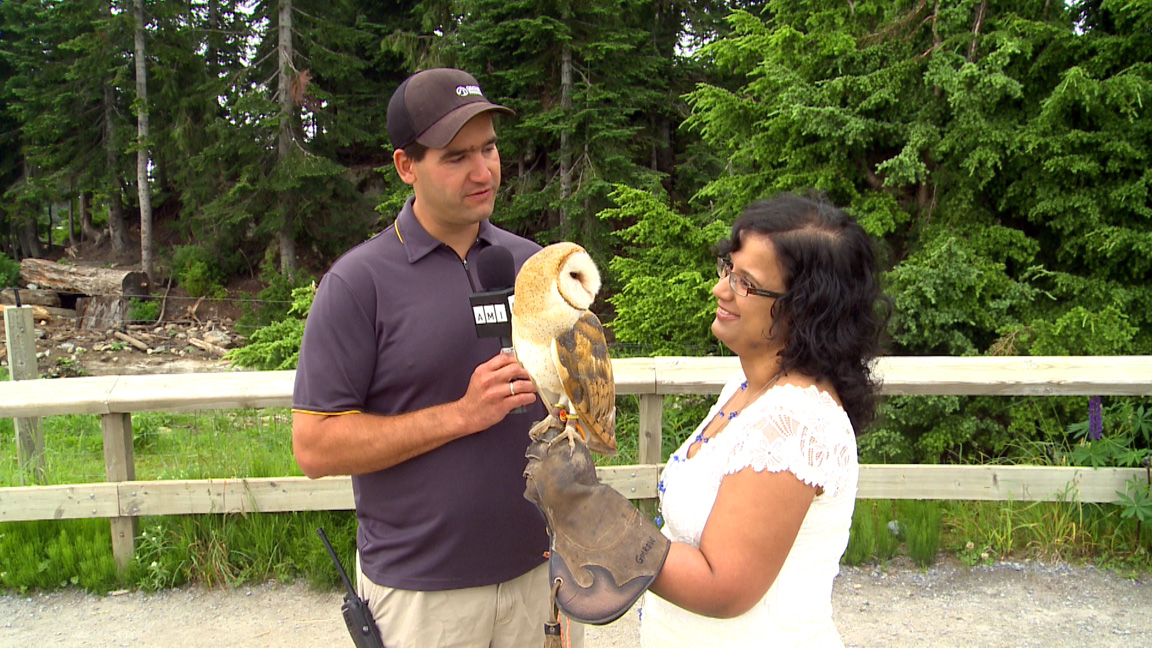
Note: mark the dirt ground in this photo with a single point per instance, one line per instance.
(1006, 604)
(192, 336)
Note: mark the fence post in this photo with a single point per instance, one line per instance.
(650, 448)
(120, 465)
(651, 428)
(20, 335)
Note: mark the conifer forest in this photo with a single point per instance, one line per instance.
(1000, 152)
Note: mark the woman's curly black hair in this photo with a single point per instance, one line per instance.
(833, 312)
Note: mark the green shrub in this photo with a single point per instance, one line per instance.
(277, 346)
(274, 301)
(197, 272)
(143, 311)
(9, 271)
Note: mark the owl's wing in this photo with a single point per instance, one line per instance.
(586, 373)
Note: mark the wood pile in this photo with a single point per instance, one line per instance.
(99, 297)
(161, 339)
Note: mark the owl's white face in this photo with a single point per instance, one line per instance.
(578, 280)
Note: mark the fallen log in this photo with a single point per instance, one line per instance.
(55, 315)
(84, 280)
(31, 298)
(207, 346)
(131, 340)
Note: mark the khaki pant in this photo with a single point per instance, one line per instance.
(507, 615)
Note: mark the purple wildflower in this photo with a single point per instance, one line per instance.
(1095, 419)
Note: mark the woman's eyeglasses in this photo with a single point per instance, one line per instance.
(739, 284)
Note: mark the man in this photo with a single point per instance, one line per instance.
(395, 388)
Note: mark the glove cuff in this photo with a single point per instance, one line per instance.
(604, 600)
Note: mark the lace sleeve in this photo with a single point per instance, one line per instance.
(803, 435)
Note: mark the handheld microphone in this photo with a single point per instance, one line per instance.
(492, 308)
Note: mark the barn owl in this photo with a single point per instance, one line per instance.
(561, 344)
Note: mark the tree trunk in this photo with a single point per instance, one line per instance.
(116, 225)
(28, 238)
(51, 225)
(143, 188)
(87, 229)
(27, 233)
(979, 22)
(284, 142)
(71, 218)
(565, 139)
(587, 224)
(103, 313)
(213, 24)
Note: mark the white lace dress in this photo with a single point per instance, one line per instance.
(792, 428)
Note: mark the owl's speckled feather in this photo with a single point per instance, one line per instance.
(561, 343)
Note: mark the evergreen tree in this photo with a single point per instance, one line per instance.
(68, 60)
(289, 133)
(11, 155)
(580, 75)
(1000, 151)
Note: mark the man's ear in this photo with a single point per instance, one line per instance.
(405, 166)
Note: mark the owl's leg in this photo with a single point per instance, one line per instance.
(572, 431)
(541, 427)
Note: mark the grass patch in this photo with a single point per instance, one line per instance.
(218, 444)
(984, 532)
(921, 530)
(226, 550)
(49, 554)
(871, 538)
(170, 551)
(215, 550)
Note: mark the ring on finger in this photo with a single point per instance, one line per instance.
(512, 387)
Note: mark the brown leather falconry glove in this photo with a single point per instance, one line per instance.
(604, 552)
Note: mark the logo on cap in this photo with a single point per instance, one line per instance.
(466, 90)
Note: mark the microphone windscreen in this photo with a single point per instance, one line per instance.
(495, 268)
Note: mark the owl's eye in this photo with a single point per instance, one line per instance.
(574, 275)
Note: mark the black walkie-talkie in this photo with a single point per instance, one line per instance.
(357, 616)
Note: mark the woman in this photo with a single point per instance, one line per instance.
(758, 501)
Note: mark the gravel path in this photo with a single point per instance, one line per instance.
(1007, 604)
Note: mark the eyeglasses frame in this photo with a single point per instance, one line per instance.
(736, 282)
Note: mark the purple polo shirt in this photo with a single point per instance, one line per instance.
(391, 331)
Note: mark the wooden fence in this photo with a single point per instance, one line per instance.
(123, 500)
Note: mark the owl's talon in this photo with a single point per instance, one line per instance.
(571, 432)
(541, 427)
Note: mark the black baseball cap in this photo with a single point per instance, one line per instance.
(431, 106)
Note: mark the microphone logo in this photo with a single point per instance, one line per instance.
(490, 313)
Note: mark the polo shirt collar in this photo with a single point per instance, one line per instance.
(418, 243)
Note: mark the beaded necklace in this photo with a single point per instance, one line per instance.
(701, 439)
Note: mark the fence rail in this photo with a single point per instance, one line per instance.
(122, 499)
